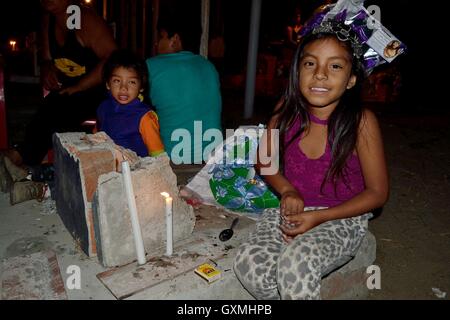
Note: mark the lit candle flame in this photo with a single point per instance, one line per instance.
(165, 194)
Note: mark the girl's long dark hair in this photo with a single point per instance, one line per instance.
(343, 123)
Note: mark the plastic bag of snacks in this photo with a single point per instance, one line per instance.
(234, 182)
(229, 179)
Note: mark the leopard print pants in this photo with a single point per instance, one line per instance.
(270, 269)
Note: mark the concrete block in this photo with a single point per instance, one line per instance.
(350, 280)
(78, 164)
(115, 244)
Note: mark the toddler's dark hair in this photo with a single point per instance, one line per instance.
(126, 59)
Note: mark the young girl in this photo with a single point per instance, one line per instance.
(129, 122)
(334, 174)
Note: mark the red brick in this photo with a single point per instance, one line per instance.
(94, 163)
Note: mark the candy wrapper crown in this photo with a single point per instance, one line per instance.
(350, 21)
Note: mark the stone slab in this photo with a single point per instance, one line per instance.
(131, 279)
(32, 277)
(189, 286)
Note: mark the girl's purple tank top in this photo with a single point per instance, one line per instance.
(306, 175)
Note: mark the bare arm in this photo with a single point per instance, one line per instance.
(49, 78)
(373, 165)
(94, 34)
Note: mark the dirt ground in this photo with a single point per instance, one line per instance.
(412, 231)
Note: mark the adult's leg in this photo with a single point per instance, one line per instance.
(255, 264)
(316, 253)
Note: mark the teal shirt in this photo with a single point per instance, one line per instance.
(185, 88)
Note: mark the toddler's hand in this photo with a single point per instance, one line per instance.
(291, 203)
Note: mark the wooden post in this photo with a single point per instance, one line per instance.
(124, 23)
(252, 58)
(105, 10)
(34, 50)
(3, 128)
(133, 25)
(111, 6)
(144, 28)
(205, 28)
(155, 16)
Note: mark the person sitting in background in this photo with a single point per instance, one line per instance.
(184, 88)
(293, 30)
(71, 66)
(123, 116)
(293, 38)
(216, 51)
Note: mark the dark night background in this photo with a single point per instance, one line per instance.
(419, 24)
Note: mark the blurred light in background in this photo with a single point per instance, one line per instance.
(13, 44)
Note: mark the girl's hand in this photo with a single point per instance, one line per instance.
(300, 223)
(291, 203)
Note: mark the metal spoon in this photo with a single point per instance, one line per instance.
(226, 234)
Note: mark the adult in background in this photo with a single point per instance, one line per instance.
(293, 37)
(71, 71)
(184, 88)
(293, 30)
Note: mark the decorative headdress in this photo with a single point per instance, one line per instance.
(350, 21)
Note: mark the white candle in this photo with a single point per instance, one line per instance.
(169, 224)
(138, 242)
